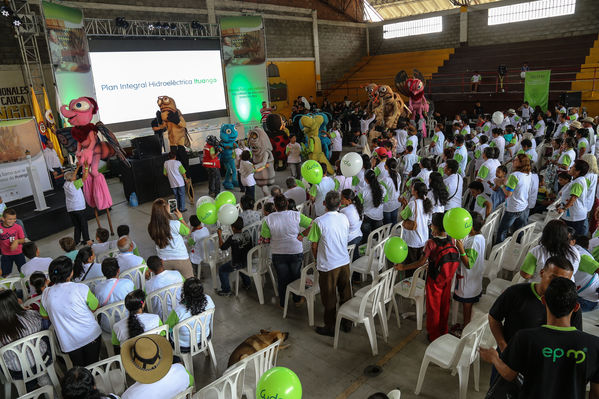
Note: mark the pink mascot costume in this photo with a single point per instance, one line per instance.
(413, 88)
(90, 149)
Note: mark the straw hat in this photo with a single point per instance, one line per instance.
(147, 358)
(575, 125)
(588, 119)
(511, 111)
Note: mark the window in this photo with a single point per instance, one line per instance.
(412, 28)
(530, 10)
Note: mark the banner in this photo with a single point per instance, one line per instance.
(536, 88)
(244, 57)
(17, 139)
(68, 52)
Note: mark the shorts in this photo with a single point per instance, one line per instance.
(467, 300)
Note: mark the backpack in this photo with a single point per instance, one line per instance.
(445, 255)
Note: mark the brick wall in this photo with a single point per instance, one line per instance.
(286, 39)
(341, 47)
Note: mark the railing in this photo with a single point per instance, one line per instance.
(460, 82)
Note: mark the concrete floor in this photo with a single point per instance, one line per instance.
(323, 371)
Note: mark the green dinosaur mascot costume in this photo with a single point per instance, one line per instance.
(311, 125)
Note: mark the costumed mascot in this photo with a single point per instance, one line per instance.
(90, 149)
(413, 88)
(325, 140)
(311, 125)
(228, 143)
(262, 158)
(173, 122)
(387, 112)
(374, 105)
(279, 138)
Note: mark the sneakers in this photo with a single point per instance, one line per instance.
(224, 293)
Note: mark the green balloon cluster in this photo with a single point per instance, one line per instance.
(396, 250)
(312, 171)
(279, 383)
(207, 211)
(457, 222)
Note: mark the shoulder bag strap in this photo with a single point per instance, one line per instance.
(456, 187)
(110, 293)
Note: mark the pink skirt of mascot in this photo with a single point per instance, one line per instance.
(413, 88)
(90, 149)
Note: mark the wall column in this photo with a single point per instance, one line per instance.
(463, 24)
(316, 50)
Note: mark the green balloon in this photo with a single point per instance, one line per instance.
(396, 250)
(207, 213)
(225, 197)
(279, 383)
(457, 222)
(312, 171)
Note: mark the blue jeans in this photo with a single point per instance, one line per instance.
(289, 267)
(515, 220)
(180, 197)
(6, 262)
(580, 227)
(356, 241)
(587, 306)
(223, 274)
(390, 217)
(250, 191)
(497, 198)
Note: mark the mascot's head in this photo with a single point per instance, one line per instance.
(311, 124)
(372, 91)
(385, 92)
(212, 140)
(228, 133)
(167, 103)
(80, 111)
(258, 141)
(415, 86)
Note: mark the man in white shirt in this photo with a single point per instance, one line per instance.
(126, 258)
(329, 236)
(320, 190)
(499, 142)
(175, 171)
(161, 279)
(52, 161)
(401, 134)
(475, 79)
(436, 145)
(587, 123)
(562, 126)
(525, 110)
(294, 192)
(35, 263)
(454, 184)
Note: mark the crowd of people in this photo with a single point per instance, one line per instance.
(526, 162)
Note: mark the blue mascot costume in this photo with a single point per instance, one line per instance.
(322, 134)
(228, 142)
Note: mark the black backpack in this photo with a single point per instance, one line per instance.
(444, 254)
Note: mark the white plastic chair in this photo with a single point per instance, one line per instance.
(257, 266)
(113, 312)
(58, 349)
(194, 325)
(162, 301)
(260, 362)
(351, 249)
(413, 288)
(35, 300)
(386, 299)
(11, 283)
(160, 330)
(47, 392)
(109, 375)
(493, 262)
(456, 354)
(187, 394)
(259, 204)
(33, 362)
(394, 394)
(92, 282)
(226, 387)
(371, 263)
(254, 231)
(136, 274)
(488, 231)
(514, 249)
(362, 310)
(213, 257)
(298, 287)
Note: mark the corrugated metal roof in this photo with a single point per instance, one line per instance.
(391, 9)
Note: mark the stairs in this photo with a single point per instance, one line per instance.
(589, 71)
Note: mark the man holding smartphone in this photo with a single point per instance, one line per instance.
(176, 173)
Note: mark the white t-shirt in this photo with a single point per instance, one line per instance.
(101, 248)
(196, 255)
(486, 173)
(344, 182)
(148, 321)
(183, 314)
(331, 231)
(487, 129)
(297, 194)
(499, 142)
(284, 228)
(480, 205)
(326, 184)
(536, 258)
(102, 290)
(540, 128)
(293, 156)
(355, 223)
(470, 280)
(587, 283)
(534, 190)
(128, 260)
(74, 199)
(173, 383)
(401, 136)
(438, 139)
(246, 173)
(175, 250)
(409, 160)
(567, 158)
(36, 264)
(454, 184)
(591, 180)
(413, 141)
(337, 144)
(392, 193)
(461, 155)
(174, 171)
(519, 184)
(578, 210)
(374, 213)
(162, 280)
(95, 270)
(51, 158)
(67, 307)
(424, 175)
(437, 207)
(415, 211)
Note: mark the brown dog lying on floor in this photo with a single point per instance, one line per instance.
(256, 343)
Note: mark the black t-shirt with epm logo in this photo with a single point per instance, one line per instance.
(556, 362)
(240, 244)
(519, 307)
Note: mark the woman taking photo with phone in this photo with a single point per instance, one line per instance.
(167, 230)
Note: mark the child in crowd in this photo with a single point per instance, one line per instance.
(175, 172)
(122, 231)
(241, 147)
(85, 267)
(75, 203)
(103, 245)
(469, 278)
(240, 244)
(412, 138)
(111, 290)
(246, 171)
(12, 238)
(248, 214)
(563, 179)
(544, 197)
(38, 282)
(35, 263)
(2, 206)
(69, 246)
(137, 322)
(269, 208)
(498, 196)
(336, 142)
(293, 151)
(527, 149)
(196, 241)
(409, 159)
(481, 204)
(160, 279)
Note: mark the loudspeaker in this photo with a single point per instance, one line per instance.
(146, 146)
(571, 99)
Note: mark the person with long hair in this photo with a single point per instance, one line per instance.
(555, 241)
(351, 207)
(516, 190)
(568, 154)
(573, 198)
(454, 183)
(167, 230)
(373, 197)
(84, 267)
(415, 216)
(392, 183)
(486, 172)
(79, 383)
(70, 307)
(427, 166)
(193, 302)
(137, 322)
(437, 192)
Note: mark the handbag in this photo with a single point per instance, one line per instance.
(412, 224)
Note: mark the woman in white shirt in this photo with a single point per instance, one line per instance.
(137, 322)
(591, 177)
(167, 234)
(352, 209)
(392, 182)
(372, 196)
(427, 166)
(70, 306)
(486, 173)
(573, 199)
(454, 183)
(568, 155)
(437, 192)
(84, 267)
(417, 212)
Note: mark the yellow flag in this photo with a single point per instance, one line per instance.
(51, 126)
